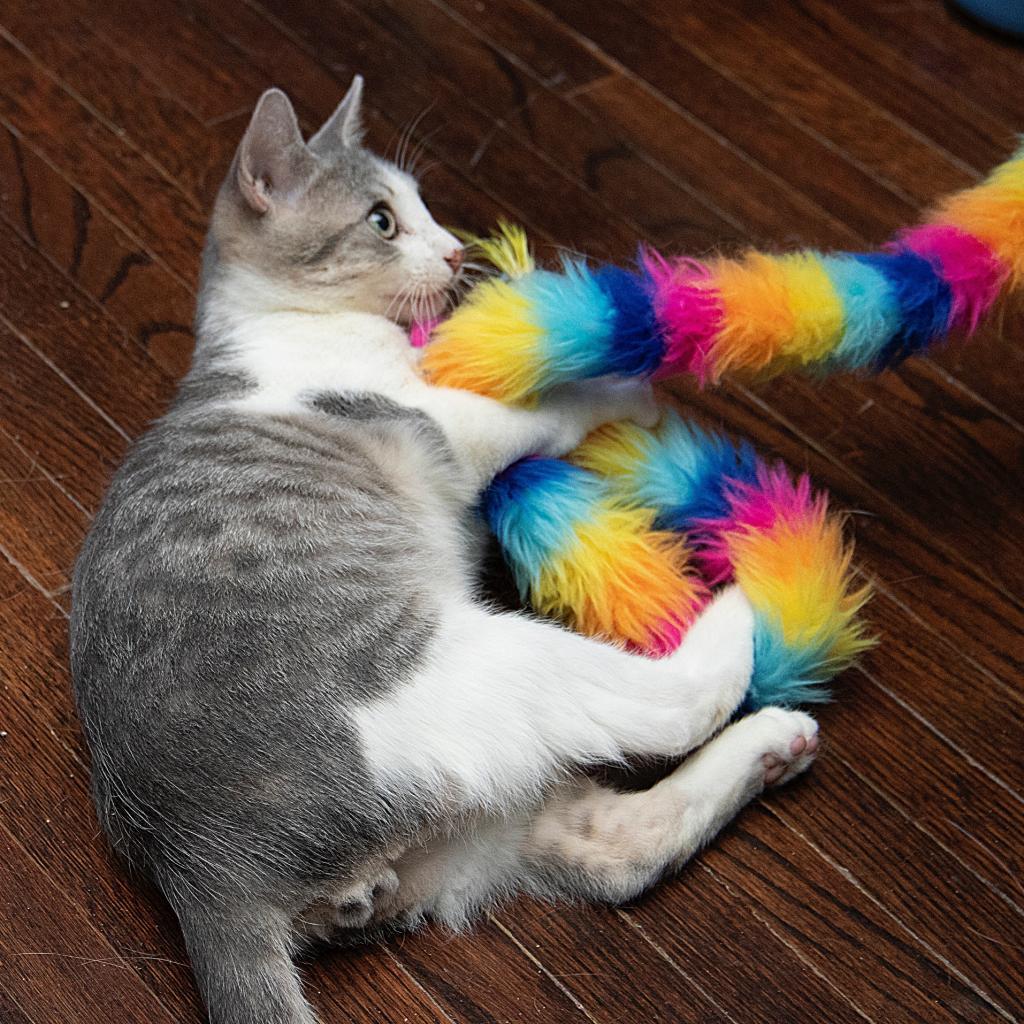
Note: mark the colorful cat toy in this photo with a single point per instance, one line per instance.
(625, 538)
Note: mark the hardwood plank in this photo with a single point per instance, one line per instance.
(771, 208)
(717, 101)
(59, 429)
(724, 956)
(665, 211)
(55, 961)
(29, 495)
(809, 95)
(103, 261)
(843, 935)
(685, 148)
(484, 976)
(105, 166)
(957, 696)
(96, 69)
(65, 329)
(10, 1011)
(931, 772)
(985, 70)
(926, 887)
(495, 152)
(369, 985)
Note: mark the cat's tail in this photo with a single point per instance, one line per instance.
(243, 965)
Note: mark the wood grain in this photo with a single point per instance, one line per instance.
(883, 887)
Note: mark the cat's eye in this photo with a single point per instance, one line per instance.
(383, 221)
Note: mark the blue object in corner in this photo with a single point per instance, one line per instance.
(1007, 15)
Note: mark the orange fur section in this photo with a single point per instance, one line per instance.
(622, 580)
(757, 319)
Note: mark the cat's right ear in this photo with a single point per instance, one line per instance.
(273, 164)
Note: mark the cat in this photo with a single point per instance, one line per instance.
(305, 722)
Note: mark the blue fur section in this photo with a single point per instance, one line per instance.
(533, 508)
(687, 471)
(871, 313)
(578, 320)
(637, 347)
(924, 299)
(784, 676)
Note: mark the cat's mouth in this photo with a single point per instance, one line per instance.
(423, 303)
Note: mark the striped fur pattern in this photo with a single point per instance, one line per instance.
(626, 540)
(755, 316)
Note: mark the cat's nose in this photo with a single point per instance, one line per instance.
(454, 259)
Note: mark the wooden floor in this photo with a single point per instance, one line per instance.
(886, 886)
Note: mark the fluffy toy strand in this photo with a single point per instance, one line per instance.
(607, 545)
(757, 315)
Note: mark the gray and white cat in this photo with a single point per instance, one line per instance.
(303, 718)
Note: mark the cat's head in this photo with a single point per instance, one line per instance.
(327, 224)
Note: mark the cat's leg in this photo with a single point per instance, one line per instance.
(507, 703)
(596, 843)
(489, 435)
(588, 841)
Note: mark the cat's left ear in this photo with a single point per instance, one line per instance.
(345, 126)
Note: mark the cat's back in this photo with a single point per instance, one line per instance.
(235, 550)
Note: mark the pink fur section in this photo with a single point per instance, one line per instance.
(667, 635)
(973, 271)
(757, 508)
(689, 311)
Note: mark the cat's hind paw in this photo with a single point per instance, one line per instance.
(790, 740)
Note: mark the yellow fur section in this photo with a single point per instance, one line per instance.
(614, 451)
(489, 345)
(621, 579)
(798, 574)
(757, 322)
(508, 249)
(816, 306)
(993, 212)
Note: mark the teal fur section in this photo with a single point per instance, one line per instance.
(871, 313)
(534, 508)
(686, 473)
(785, 676)
(578, 320)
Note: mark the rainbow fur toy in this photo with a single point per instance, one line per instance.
(625, 541)
(757, 315)
(625, 538)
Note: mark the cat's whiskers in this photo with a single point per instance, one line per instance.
(398, 300)
(402, 153)
(412, 161)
